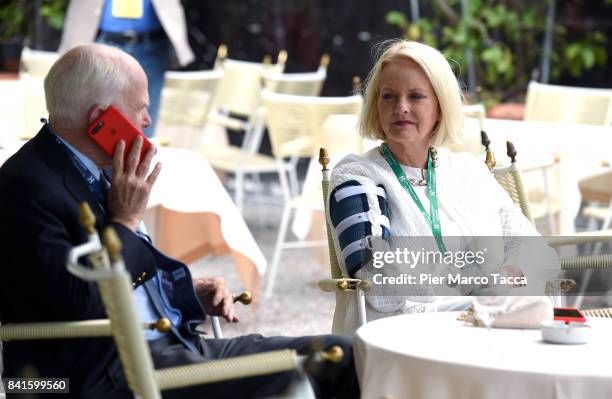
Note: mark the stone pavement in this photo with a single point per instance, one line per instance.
(297, 306)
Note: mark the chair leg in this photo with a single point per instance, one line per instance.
(361, 309)
(216, 325)
(282, 177)
(278, 248)
(239, 191)
(294, 184)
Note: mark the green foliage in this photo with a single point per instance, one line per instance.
(17, 16)
(11, 19)
(505, 37)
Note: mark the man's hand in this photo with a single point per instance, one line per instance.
(130, 189)
(215, 298)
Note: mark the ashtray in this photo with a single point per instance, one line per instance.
(560, 332)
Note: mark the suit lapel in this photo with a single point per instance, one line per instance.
(59, 161)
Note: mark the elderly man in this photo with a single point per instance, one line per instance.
(41, 187)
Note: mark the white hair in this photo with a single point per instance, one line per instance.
(93, 74)
(436, 67)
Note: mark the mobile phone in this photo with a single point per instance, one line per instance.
(111, 127)
(569, 315)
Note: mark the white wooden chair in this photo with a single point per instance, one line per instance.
(510, 178)
(341, 285)
(568, 104)
(573, 105)
(299, 84)
(187, 98)
(295, 128)
(37, 62)
(237, 108)
(115, 286)
(33, 68)
(546, 204)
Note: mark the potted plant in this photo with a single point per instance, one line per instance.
(32, 22)
(11, 35)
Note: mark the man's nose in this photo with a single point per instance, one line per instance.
(146, 121)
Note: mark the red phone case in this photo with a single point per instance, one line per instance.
(568, 315)
(112, 126)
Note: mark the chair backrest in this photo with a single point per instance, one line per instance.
(510, 178)
(300, 84)
(114, 283)
(476, 111)
(36, 62)
(568, 104)
(295, 122)
(187, 98)
(336, 271)
(12, 111)
(239, 91)
(34, 102)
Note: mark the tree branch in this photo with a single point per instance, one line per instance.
(447, 11)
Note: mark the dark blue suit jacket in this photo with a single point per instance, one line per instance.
(40, 193)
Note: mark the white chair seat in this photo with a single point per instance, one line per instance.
(230, 159)
(311, 201)
(226, 121)
(596, 212)
(540, 209)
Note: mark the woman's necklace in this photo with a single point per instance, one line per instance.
(419, 182)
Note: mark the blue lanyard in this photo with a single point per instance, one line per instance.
(95, 185)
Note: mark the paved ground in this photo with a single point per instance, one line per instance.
(297, 306)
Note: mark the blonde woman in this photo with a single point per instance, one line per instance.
(416, 189)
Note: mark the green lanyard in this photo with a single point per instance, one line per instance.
(434, 220)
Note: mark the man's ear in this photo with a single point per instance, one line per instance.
(94, 113)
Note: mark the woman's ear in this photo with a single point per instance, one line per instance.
(94, 113)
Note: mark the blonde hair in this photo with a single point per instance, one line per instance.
(93, 74)
(442, 79)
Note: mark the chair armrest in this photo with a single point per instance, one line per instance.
(344, 284)
(65, 329)
(587, 262)
(227, 369)
(602, 312)
(598, 213)
(227, 121)
(244, 298)
(586, 237)
(68, 329)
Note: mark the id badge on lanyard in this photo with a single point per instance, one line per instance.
(132, 9)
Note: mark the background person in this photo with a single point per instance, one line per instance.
(41, 187)
(414, 188)
(146, 29)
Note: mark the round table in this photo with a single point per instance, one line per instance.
(436, 356)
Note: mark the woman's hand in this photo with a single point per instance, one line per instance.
(215, 298)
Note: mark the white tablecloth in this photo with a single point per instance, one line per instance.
(188, 183)
(435, 356)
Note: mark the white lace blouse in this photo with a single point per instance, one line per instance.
(471, 204)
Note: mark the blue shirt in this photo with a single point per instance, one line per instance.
(147, 23)
(144, 306)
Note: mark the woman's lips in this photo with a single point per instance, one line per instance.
(403, 123)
